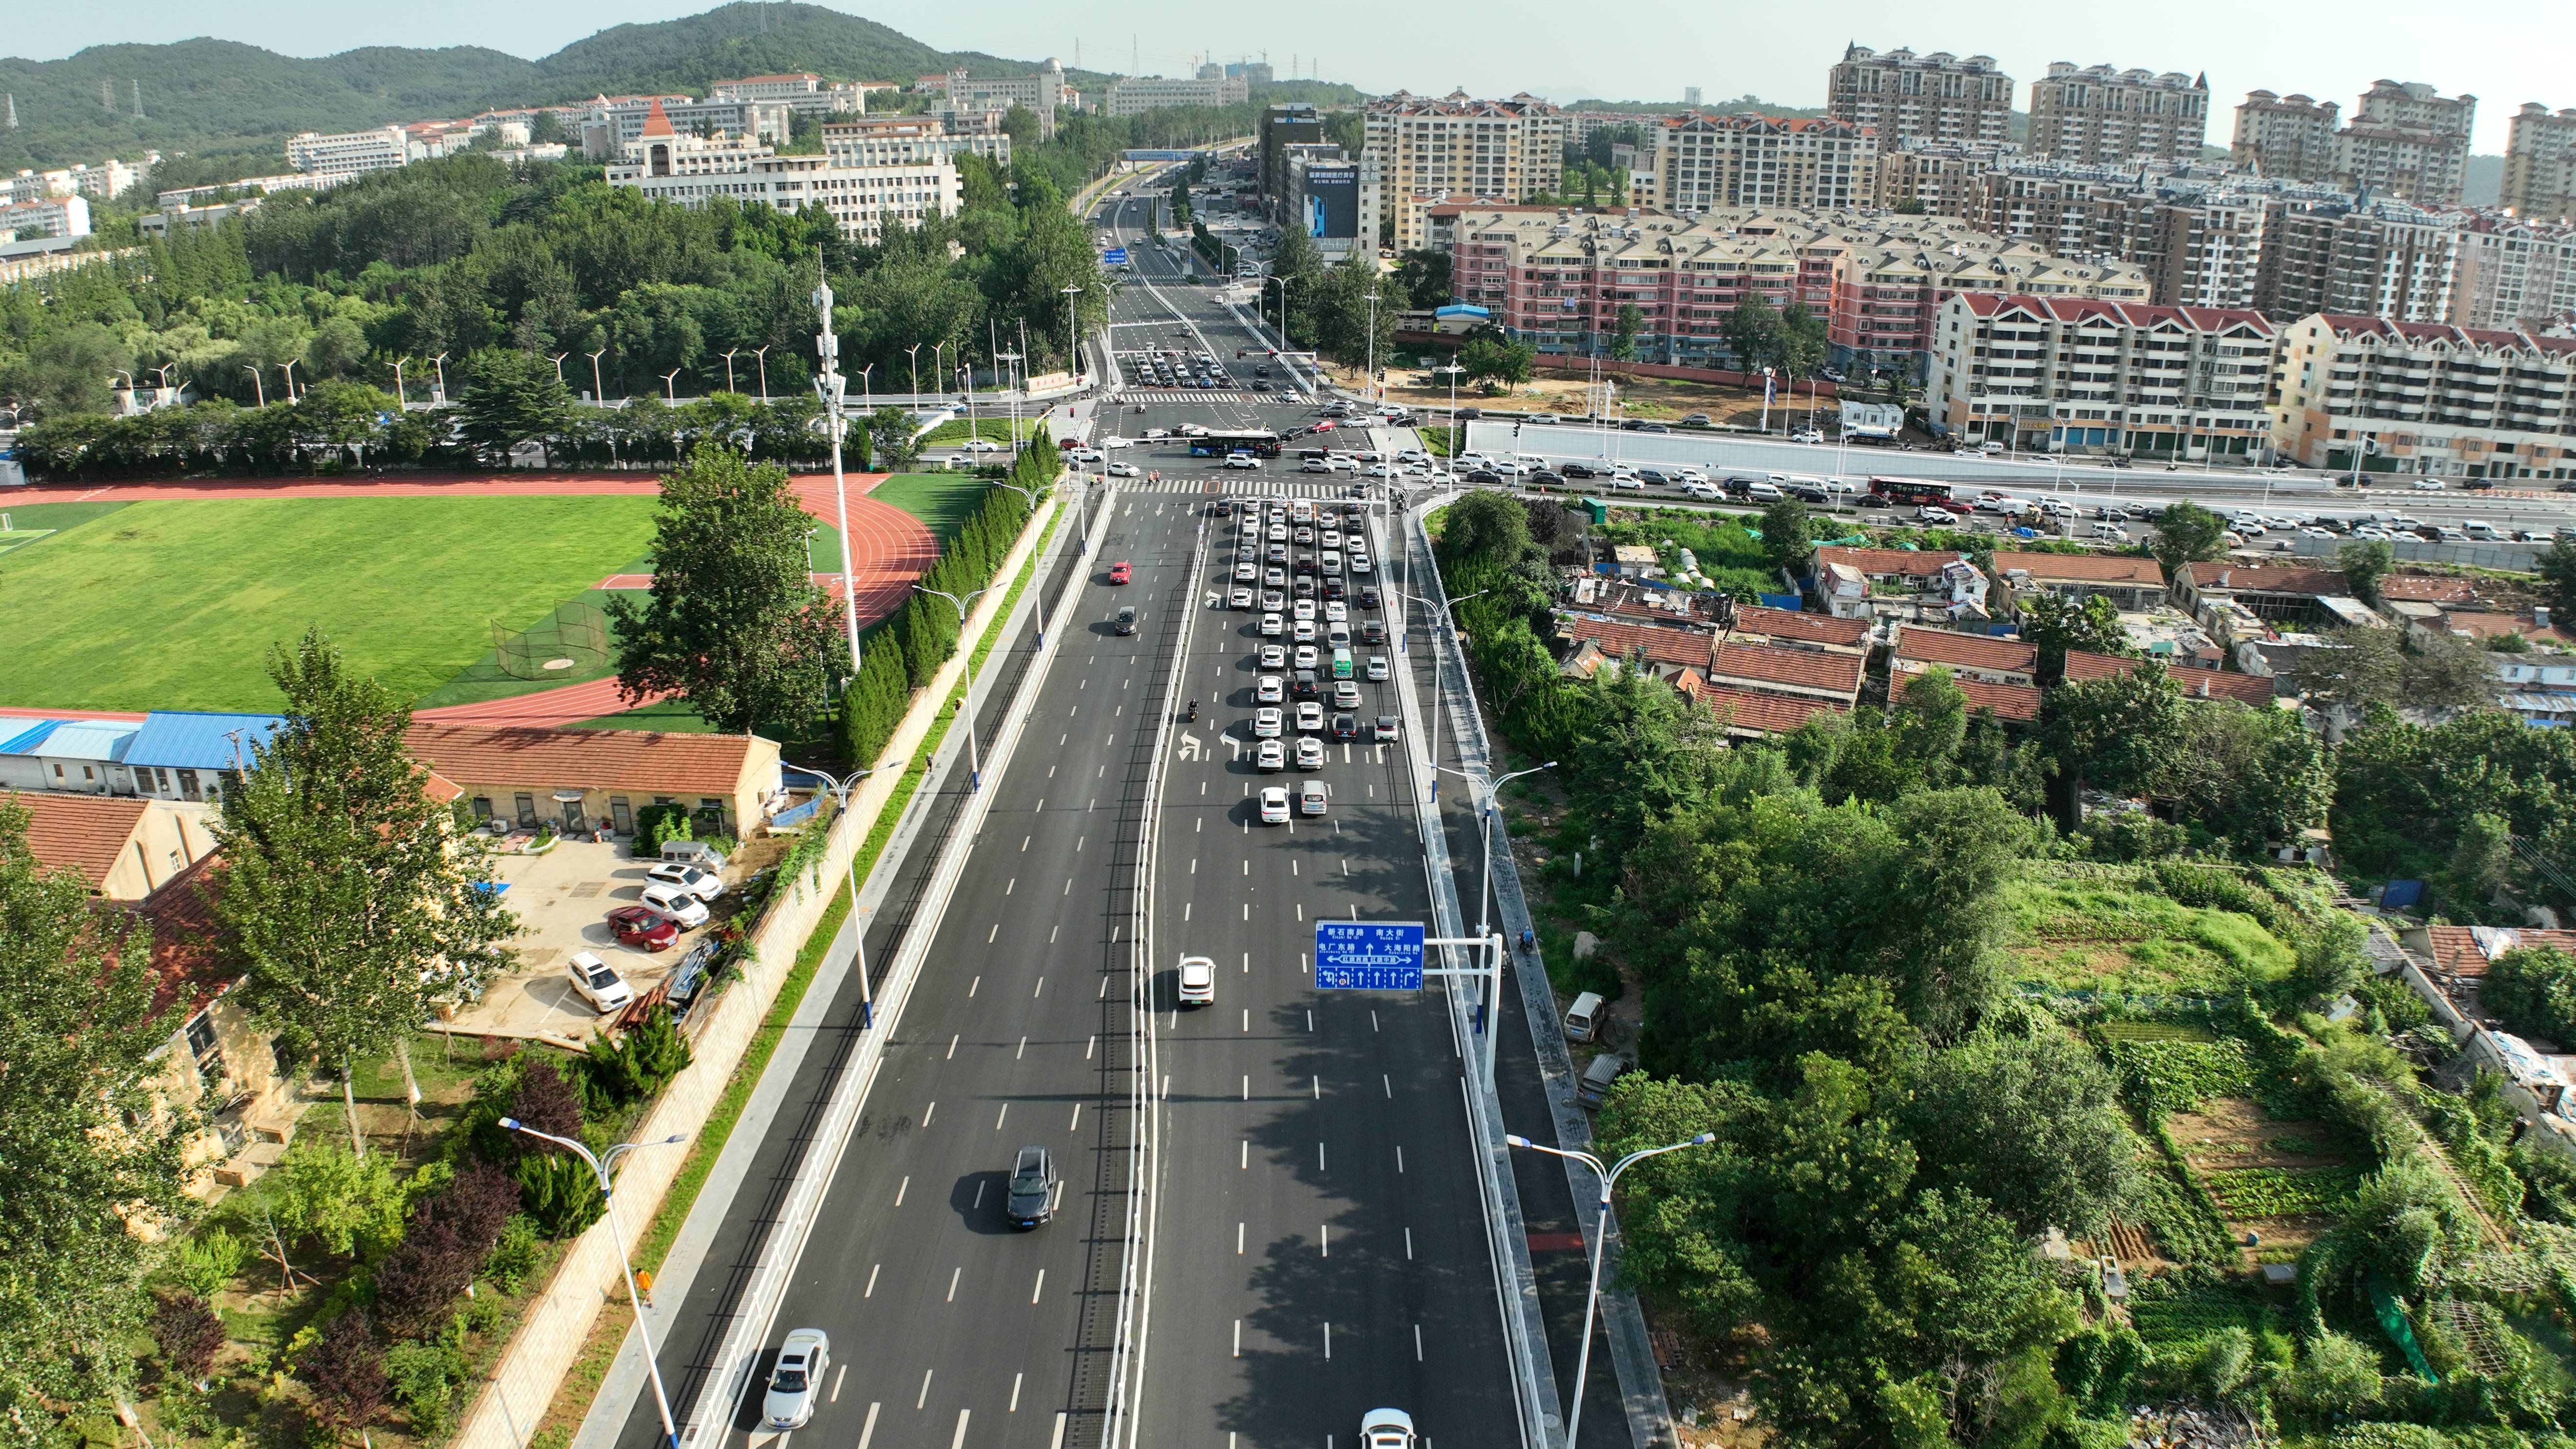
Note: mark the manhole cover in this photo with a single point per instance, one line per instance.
(558, 664)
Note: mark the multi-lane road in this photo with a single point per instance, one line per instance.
(1310, 1242)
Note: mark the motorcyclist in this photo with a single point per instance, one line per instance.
(1528, 941)
(1194, 711)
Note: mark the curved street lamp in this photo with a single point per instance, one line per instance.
(966, 705)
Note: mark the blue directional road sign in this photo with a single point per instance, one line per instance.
(1114, 257)
(1368, 955)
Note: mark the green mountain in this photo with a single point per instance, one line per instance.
(217, 97)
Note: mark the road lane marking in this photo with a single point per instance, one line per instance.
(1292, 867)
(1076, 1124)
(1051, 934)
(953, 1275)
(1033, 1297)
(997, 930)
(980, 1186)
(868, 1430)
(925, 1113)
(1247, 1088)
(1185, 915)
(1318, 1081)
(1319, 1157)
(839, 1374)
(1024, 1051)
(998, 1116)
(1247, 963)
(1408, 1245)
(1383, 1079)
(871, 1290)
(1091, 1043)
(1238, 1353)
(1024, 841)
(906, 1185)
(1373, 1018)
(1055, 1443)
(952, 1049)
(1328, 1351)
(971, 985)
(959, 1441)
(1037, 990)
(1247, 1018)
(1238, 1240)
(924, 1397)
(1068, 885)
(1399, 1160)
(1310, 1018)
(1417, 1343)
(1301, 910)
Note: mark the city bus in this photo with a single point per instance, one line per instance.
(1260, 443)
(1910, 491)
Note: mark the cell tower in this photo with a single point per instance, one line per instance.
(138, 99)
(107, 95)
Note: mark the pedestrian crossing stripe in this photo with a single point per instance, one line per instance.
(1237, 488)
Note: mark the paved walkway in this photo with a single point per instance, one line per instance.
(889, 548)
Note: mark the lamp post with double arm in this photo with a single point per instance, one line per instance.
(966, 703)
(1609, 1176)
(841, 789)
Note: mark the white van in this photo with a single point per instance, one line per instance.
(2480, 530)
(1583, 1018)
(1762, 491)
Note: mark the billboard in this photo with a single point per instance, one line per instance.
(1333, 202)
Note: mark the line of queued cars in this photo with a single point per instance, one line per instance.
(1304, 567)
(674, 900)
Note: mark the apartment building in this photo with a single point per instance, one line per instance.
(1457, 145)
(1558, 277)
(2407, 142)
(1703, 163)
(350, 154)
(804, 93)
(2426, 399)
(1899, 96)
(610, 124)
(2097, 114)
(1134, 95)
(2539, 164)
(691, 170)
(907, 140)
(2290, 137)
(57, 217)
(2074, 375)
(2512, 271)
(1043, 92)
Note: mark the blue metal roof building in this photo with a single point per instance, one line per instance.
(193, 740)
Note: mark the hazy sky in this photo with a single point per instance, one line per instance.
(2504, 52)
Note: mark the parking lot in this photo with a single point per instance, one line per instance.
(562, 899)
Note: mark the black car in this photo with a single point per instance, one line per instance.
(1484, 479)
(1034, 1188)
(1739, 487)
(1653, 478)
(1221, 509)
(1872, 500)
(1127, 620)
(1808, 493)
(1578, 470)
(1305, 685)
(1333, 589)
(1346, 727)
(1544, 479)
(1471, 412)
(1305, 563)
(1372, 632)
(1369, 598)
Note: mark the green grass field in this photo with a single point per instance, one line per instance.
(997, 429)
(174, 605)
(942, 501)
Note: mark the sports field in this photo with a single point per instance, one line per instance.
(942, 501)
(174, 604)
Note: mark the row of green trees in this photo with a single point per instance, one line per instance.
(904, 654)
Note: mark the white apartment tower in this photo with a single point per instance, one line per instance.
(2097, 115)
(1900, 96)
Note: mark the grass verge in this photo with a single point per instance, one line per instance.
(581, 1383)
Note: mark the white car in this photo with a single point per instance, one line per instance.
(1360, 563)
(1274, 805)
(1336, 612)
(1241, 598)
(1303, 610)
(1303, 631)
(1197, 981)
(1806, 435)
(1245, 573)
(1242, 460)
(1124, 470)
(598, 982)
(1082, 455)
(1266, 723)
(2427, 485)
(802, 1360)
(1310, 717)
(1272, 626)
(1386, 1429)
(1306, 657)
(980, 445)
(1690, 476)
(1627, 483)
(1113, 442)
(1271, 757)
(1274, 656)
(706, 885)
(678, 903)
(1268, 690)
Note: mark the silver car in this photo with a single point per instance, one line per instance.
(802, 1360)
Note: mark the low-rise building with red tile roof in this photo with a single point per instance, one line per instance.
(1967, 656)
(1751, 715)
(2131, 583)
(1791, 629)
(2011, 703)
(1768, 669)
(582, 779)
(123, 847)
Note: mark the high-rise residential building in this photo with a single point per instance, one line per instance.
(2097, 114)
(2290, 137)
(1899, 96)
(1701, 163)
(1134, 95)
(349, 154)
(1428, 150)
(2407, 142)
(1283, 124)
(1250, 72)
(1042, 92)
(689, 171)
(2426, 398)
(2081, 375)
(2540, 164)
(2512, 272)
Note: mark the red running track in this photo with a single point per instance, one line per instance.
(889, 548)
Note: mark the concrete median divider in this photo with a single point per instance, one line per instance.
(558, 1318)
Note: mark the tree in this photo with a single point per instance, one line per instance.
(1424, 278)
(1752, 333)
(2558, 577)
(347, 1372)
(349, 900)
(188, 1333)
(2338, 1376)
(1497, 362)
(2187, 533)
(1800, 344)
(1623, 332)
(1485, 527)
(2032, 1124)
(2055, 624)
(510, 398)
(2532, 989)
(89, 1147)
(888, 440)
(1929, 722)
(2253, 776)
(1788, 535)
(2120, 731)
(2364, 561)
(349, 1206)
(734, 624)
(2373, 664)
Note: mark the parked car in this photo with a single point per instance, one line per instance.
(802, 1360)
(599, 983)
(643, 928)
(1034, 1190)
(676, 903)
(706, 885)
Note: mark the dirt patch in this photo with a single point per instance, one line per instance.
(1708, 1390)
(2230, 1133)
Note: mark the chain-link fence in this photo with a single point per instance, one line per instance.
(570, 639)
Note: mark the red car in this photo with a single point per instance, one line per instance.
(1118, 573)
(643, 927)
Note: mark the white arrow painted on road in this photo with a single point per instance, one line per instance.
(1189, 747)
(1235, 745)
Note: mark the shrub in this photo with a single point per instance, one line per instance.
(188, 1333)
(638, 1064)
(655, 824)
(515, 1256)
(207, 1261)
(347, 1373)
(558, 1191)
(544, 1102)
(422, 1275)
(423, 1378)
(2533, 988)
(478, 1202)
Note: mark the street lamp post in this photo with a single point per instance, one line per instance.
(760, 358)
(401, 403)
(259, 389)
(938, 362)
(1375, 393)
(557, 358)
(966, 705)
(598, 390)
(729, 355)
(1452, 369)
(1072, 333)
(1032, 496)
(859, 931)
(288, 367)
(1485, 894)
(670, 392)
(599, 1166)
(912, 355)
(834, 391)
(440, 362)
(1609, 1176)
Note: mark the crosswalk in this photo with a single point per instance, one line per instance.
(1197, 395)
(1236, 487)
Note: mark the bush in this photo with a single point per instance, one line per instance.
(637, 1065)
(189, 1334)
(558, 1192)
(207, 1261)
(516, 1255)
(655, 824)
(423, 1378)
(544, 1102)
(347, 1374)
(421, 1276)
(2533, 989)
